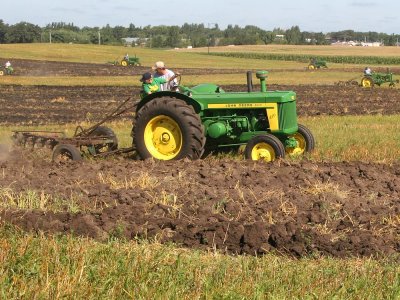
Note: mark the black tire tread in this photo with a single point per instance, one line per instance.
(186, 115)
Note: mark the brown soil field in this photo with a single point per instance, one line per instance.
(27, 67)
(36, 105)
(300, 208)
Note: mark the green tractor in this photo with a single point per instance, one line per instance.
(190, 122)
(369, 80)
(126, 61)
(6, 71)
(317, 64)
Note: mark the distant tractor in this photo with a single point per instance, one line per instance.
(317, 64)
(6, 71)
(369, 80)
(126, 61)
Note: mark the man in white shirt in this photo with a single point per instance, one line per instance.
(163, 72)
(367, 71)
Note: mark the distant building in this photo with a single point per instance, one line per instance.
(130, 41)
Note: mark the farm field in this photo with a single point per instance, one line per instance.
(334, 212)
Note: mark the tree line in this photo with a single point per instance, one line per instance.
(195, 35)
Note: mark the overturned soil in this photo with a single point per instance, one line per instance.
(37, 105)
(299, 208)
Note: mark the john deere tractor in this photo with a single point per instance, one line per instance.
(369, 80)
(317, 64)
(6, 71)
(126, 61)
(193, 121)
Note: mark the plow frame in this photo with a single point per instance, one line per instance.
(83, 139)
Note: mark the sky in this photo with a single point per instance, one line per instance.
(310, 15)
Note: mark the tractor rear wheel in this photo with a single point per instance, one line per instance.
(265, 147)
(168, 129)
(1, 73)
(311, 67)
(124, 63)
(367, 82)
(66, 152)
(107, 132)
(305, 142)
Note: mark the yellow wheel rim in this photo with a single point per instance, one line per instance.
(1, 73)
(163, 137)
(124, 63)
(263, 151)
(366, 82)
(300, 148)
(311, 67)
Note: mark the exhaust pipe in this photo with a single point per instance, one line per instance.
(249, 82)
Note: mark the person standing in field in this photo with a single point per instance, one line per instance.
(162, 72)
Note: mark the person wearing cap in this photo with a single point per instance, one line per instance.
(151, 85)
(160, 71)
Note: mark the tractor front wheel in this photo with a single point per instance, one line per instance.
(305, 142)
(367, 82)
(168, 129)
(264, 147)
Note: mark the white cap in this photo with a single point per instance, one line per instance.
(159, 65)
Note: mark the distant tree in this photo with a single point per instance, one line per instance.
(293, 35)
(173, 39)
(267, 37)
(23, 32)
(3, 31)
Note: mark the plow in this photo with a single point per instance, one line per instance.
(191, 123)
(94, 141)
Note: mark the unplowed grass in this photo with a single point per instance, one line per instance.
(39, 267)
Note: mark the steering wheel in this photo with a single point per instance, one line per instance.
(176, 81)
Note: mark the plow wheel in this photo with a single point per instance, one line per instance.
(367, 82)
(305, 142)
(264, 147)
(66, 152)
(104, 131)
(168, 129)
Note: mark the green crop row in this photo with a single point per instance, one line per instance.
(307, 57)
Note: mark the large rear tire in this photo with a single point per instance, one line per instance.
(124, 63)
(305, 142)
(265, 147)
(367, 82)
(168, 129)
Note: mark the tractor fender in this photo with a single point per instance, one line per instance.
(189, 100)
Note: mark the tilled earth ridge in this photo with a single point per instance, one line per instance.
(38, 105)
(29, 67)
(238, 207)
